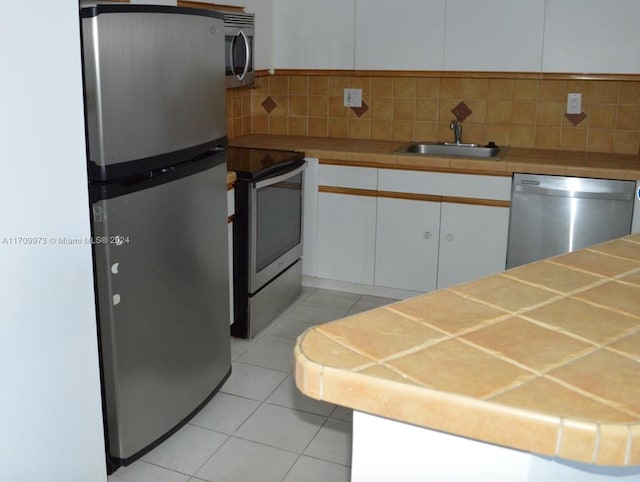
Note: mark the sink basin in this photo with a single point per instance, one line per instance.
(451, 149)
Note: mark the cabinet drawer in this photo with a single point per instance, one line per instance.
(348, 177)
(445, 184)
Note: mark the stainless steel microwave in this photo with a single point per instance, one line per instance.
(239, 34)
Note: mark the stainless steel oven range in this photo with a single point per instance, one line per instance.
(267, 235)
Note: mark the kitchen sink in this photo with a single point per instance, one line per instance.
(451, 149)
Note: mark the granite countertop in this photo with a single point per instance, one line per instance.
(381, 154)
(543, 358)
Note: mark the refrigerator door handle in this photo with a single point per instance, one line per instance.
(208, 153)
(215, 150)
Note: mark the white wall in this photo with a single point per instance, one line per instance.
(50, 409)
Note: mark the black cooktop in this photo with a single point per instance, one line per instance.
(254, 164)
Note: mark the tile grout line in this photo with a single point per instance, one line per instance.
(211, 456)
(592, 396)
(265, 402)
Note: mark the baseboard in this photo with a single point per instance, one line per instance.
(335, 285)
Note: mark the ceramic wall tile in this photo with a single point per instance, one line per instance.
(611, 120)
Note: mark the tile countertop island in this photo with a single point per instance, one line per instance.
(542, 360)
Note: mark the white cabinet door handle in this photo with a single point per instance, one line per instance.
(449, 237)
(426, 235)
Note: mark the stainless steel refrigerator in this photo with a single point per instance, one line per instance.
(155, 109)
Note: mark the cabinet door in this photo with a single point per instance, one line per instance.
(592, 36)
(346, 237)
(407, 237)
(414, 41)
(502, 35)
(473, 242)
(309, 34)
(263, 44)
(310, 218)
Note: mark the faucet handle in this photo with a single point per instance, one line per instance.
(456, 125)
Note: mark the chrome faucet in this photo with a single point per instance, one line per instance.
(456, 125)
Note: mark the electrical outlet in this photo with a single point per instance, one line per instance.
(353, 97)
(574, 103)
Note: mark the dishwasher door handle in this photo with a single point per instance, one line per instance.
(568, 193)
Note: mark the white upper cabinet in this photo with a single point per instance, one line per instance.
(312, 34)
(399, 35)
(263, 44)
(494, 35)
(589, 36)
(592, 36)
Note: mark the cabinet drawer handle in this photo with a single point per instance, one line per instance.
(449, 237)
(426, 235)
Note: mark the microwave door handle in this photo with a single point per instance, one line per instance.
(232, 64)
(246, 52)
(283, 177)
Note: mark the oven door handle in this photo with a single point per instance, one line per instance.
(283, 177)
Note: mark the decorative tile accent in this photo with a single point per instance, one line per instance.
(575, 119)
(461, 111)
(360, 111)
(269, 104)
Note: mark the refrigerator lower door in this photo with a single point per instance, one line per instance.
(163, 300)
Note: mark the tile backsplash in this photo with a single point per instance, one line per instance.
(515, 111)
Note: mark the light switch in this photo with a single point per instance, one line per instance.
(353, 97)
(574, 103)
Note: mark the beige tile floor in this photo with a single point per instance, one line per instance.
(259, 427)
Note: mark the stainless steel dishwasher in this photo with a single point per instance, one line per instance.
(551, 215)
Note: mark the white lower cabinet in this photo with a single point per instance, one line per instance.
(405, 234)
(346, 237)
(407, 238)
(423, 245)
(473, 242)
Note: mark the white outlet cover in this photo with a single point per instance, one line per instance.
(353, 97)
(574, 103)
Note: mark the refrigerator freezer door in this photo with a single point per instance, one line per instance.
(163, 298)
(154, 80)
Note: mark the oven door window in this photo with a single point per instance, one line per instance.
(279, 220)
